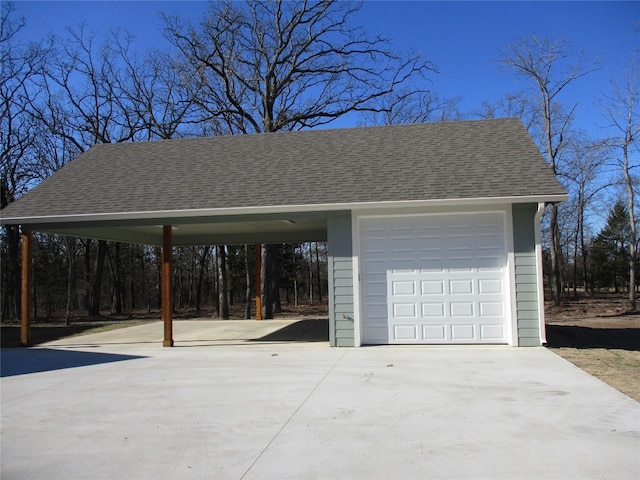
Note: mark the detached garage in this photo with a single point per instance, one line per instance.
(433, 230)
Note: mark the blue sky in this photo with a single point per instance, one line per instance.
(462, 38)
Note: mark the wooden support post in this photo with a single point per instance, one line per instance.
(26, 290)
(258, 282)
(167, 287)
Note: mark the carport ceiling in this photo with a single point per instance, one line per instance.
(207, 230)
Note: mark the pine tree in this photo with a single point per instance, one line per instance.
(611, 250)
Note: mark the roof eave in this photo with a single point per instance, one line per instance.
(187, 216)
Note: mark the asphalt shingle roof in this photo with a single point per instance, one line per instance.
(448, 160)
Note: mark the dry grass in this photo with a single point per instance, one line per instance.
(599, 336)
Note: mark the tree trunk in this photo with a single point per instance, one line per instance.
(318, 275)
(87, 274)
(265, 279)
(118, 286)
(94, 309)
(585, 264)
(134, 250)
(575, 266)
(274, 281)
(247, 277)
(576, 244)
(223, 289)
(203, 266)
(295, 278)
(556, 255)
(71, 284)
(11, 301)
(310, 276)
(633, 253)
(158, 288)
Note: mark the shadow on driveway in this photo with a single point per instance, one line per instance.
(310, 330)
(33, 360)
(585, 337)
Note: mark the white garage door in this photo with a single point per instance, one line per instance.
(434, 279)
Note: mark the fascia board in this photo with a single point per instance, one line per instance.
(186, 216)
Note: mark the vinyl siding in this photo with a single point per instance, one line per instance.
(341, 327)
(526, 280)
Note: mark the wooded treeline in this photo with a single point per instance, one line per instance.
(206, 279)
(263, 67)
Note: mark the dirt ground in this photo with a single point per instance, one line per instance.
(599, 336)
(596, 334)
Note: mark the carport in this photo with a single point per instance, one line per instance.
(170, 232)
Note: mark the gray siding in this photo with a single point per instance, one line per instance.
(524, 244)
(341, 327)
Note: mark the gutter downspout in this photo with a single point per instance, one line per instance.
(539, 272)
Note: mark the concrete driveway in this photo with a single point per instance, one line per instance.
(117, 405)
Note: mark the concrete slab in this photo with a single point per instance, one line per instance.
(118, 405)
(209, 333)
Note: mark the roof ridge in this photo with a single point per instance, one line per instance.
(318, 131)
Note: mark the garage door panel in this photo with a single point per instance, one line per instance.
(405, 333)
(491, 309)
(376, 309)
(403, 287)
(458, 242)
(430, 241)
(404, 310)
(374, 266)
(461, 309)
(436, 309)
(460, 287)
(402, 265)
(488, 241)
(443, 279)
(432, 287)
(430, 253)
(463, 332)
(434, 333)
(461, 264)
(491, 286)
(431, 265)
(376, 289)
(376, 245)
(404, 244)
(492, 332)
(377, 334)
(489, 263)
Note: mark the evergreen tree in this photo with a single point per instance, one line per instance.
(611, 250)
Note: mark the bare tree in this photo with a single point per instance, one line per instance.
(413, 106)
(270, 66)
(622, 108)
(267, 66)
(19, 135)
(550, 66)
(82, 101)
(585, 180)
(516, 105)
(83, 104)
(152, 87)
